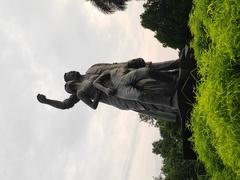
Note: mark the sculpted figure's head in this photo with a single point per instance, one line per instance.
(72, 76)
(69, 87)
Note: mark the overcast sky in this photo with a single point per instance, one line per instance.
(39, 42)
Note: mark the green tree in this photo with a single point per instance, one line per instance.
(169, 20)
(109, 6)
(170, 148)
(148, 119)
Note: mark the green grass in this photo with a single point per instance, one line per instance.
(216, 115)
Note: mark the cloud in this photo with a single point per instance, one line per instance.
(40, 40)
(109, 141)
(143, 154)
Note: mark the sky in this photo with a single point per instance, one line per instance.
(39, 42)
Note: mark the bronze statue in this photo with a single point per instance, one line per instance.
(148, 88)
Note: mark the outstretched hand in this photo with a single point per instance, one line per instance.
(41, 98)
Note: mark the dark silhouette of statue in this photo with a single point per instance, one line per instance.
(148, 88)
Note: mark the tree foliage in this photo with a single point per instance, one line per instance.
(170, 148)
(109, 6)
(169, 19)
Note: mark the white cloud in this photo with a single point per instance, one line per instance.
(40, 40)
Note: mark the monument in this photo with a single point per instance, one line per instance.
(164, 90)
(148, 88)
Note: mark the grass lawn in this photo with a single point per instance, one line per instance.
(216, 115)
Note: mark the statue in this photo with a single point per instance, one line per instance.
(148, 88)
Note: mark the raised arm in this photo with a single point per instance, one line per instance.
(66, 104)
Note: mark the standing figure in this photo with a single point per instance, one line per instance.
(83, 87)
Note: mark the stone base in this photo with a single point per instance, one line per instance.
(186, 98)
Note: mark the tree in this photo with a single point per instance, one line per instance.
(148, 119)
(169, 20)
(109, 6)
(170, 148)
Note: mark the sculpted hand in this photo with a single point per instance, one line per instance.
(136, 63)
(41, 98)
(111, 92)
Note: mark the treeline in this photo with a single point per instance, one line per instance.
(169, 147)
(169, 20)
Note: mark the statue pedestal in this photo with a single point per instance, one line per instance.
(186, 98)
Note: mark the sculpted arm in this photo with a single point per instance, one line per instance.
(137, 63)
(66, 104)
(87, 100)
(98, 83)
